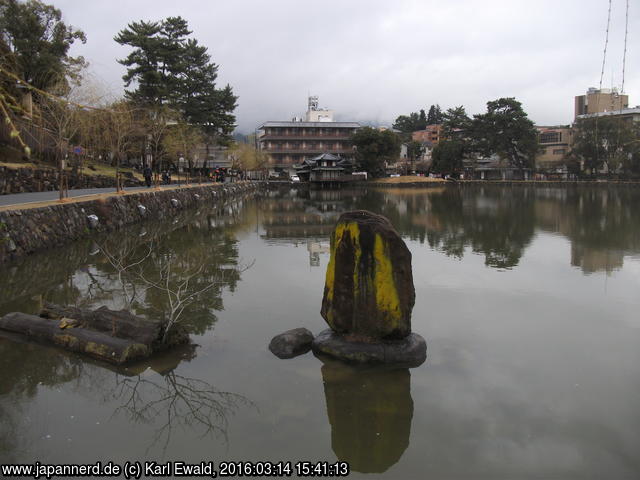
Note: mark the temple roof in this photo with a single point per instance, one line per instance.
(326, 156)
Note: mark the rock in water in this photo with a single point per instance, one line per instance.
(291, 343)
(410, 351)
(368, 293)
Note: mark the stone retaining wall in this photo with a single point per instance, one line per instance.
(19, 180)
(29, 230)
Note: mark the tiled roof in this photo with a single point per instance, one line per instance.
(326, 156)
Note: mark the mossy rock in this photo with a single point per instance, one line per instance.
(369, 292)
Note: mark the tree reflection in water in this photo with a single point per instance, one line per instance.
(78, 274)
(27, 368)
(601, 222)
(151, 392)
(184, 270)
(175, 401)
(498, 223)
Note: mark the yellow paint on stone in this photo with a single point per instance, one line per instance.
(387, 298)
(352, 229)
(381, 282)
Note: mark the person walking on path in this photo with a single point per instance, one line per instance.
(146, 172)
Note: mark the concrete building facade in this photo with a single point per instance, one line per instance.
(291, 143)
(431, 133)
(628, 114)
(600, 100)
(555, 143)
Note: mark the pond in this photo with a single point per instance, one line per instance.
(527, 298)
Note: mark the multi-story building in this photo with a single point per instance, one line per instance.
(431, 133)
(290, 143)
(627, 114)
(600, 100)
(555, 142)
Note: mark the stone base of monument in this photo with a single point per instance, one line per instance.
(410, 351)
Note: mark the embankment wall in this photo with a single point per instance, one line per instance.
(23, 231)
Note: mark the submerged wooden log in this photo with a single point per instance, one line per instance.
(117, 323)
(114, 336)
(76, 339)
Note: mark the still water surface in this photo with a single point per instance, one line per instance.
(528, 300)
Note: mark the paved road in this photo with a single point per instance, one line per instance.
(20, 198)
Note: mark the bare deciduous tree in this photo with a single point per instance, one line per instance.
(183, 139)
(177, 283)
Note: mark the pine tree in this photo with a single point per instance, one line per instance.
(423, 120)
(507, 131)
(170, 69)
(374, 148)
(435, 115)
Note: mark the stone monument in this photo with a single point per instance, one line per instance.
(369, 295)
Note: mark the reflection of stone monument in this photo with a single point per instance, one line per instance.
(370, 413)
(369, 294)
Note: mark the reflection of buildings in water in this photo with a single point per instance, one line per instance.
(370, 412)
(315, 249)
(329, 195)
(482, 205)
(294, 229)
(428, 222)
(295, 219)
(591, 260)
(551, 215)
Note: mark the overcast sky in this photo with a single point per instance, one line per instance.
(374, 60)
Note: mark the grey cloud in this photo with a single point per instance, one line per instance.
(374, 60)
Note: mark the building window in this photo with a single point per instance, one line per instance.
(559, 151)
(550, 137)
